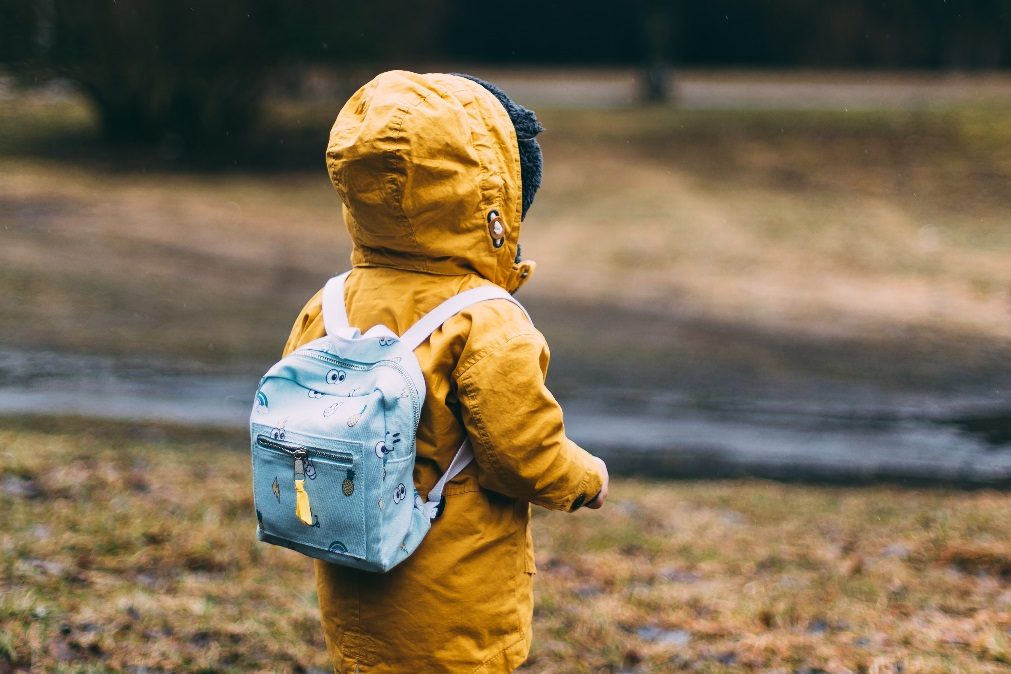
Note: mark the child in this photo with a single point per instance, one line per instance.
(436, 172)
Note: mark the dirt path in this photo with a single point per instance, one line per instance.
(753, 90)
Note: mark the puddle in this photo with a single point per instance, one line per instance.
(993, 429)
(844, 435)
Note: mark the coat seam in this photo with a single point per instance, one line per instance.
(498, 655)
(463, 370)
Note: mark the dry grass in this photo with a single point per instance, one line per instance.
(131, 549)
(855, 225)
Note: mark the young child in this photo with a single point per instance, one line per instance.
(435, 173)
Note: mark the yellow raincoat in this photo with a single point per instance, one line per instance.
(419, 162)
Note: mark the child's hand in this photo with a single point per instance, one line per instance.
(602, 496)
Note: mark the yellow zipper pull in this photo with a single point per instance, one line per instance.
(302, 509)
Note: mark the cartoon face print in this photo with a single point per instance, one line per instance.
(315, 394)
(386, 341)
(400, 493)
(332, 409)
(310, 469)
(278, 433)
(336, 376)
(383, 447)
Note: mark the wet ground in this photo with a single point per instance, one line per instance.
(657, 396)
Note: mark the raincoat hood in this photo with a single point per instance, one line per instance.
(423, 164)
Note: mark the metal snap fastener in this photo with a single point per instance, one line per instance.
(496, 229)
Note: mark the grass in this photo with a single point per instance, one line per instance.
(131, 548)
(864, 225)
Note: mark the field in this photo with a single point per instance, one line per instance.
(131, 548)
(881, 226)
(769, 245)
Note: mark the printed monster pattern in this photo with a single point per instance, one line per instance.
(330, 411)
(356, 417)
(382, 448)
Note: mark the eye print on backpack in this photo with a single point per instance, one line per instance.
(382, 449)
(335, 376)
(348, 486)
(315, 394)
(400, 493)
(386, 341)
(278, 433)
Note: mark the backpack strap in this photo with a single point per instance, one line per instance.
(431, 321)
(436, 501)
(335, 319)
(335, 316)
(335, 313)
(422, 330)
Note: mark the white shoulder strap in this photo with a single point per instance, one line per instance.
(335, 313)
(431, 321)
(335, 318)
(464, 455)
(421, 331)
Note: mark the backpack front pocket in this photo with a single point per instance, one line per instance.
(307, 494)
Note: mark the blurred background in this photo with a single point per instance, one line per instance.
(790, 218)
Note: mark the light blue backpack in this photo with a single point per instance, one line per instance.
(333, 440)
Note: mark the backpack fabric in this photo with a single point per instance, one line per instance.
(333, 431)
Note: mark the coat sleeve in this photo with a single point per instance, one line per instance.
(516, 429)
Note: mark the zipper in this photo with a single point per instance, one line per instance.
(351, 365)
(301, 452)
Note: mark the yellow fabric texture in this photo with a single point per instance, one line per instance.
(302, 509)
(419, 161)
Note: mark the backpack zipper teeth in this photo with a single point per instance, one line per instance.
(351, 365)
(295, 450)
(415, 403)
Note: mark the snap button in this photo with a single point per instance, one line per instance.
(496, 229)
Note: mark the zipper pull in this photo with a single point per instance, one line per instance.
(302, 509)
